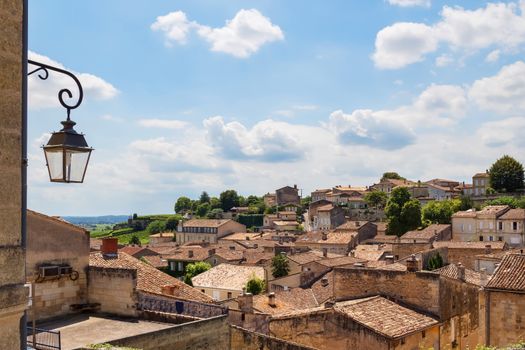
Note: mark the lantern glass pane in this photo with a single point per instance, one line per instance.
(54, 159)
(75, 165)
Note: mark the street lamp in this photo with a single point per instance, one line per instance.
(67, 152)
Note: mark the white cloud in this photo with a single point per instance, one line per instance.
(175, 26)
(503, 92)
(409, 3)
(43, 93)
(162, 123)
(444, 60)
(493, 56)
(402, 44)
(240, 37)
(112, 118)
(503, 133)
(268, 140)
(497, 25)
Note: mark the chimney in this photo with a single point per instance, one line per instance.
(255, 246)
(245, 301)
(325, 252)
(109, 247)
(412, 264)
(190, 253)
(483, 276)
(168, 289)
(295, 186)
(461, 272)
(271, 299)
(324, 281)
(324, 236)
(211, 252)
(488, 249)
(389, 259)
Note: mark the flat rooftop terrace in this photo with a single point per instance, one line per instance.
(80, 330)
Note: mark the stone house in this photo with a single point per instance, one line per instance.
(387, 185)
(371, 323)
(124, 285)
(431, 233)
(480, 183)
(320, 194)
(505, 302)
(488, 225)
(182, 256)
(57, 258)
(269, 199)
(282, 225)
(467, 252)
(328, 217)
(226, 281)
(287, 195)
(161, 238)
(206, 230)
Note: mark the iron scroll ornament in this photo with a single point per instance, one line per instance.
(43, 74)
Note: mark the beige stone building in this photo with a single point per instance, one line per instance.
(56, 263)
(329, 216)
(13, 51)
(492, 223)
(480, 183)
(206, 230)
(226, 281)
(505, 302)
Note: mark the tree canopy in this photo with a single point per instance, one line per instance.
(134, 240)
(280, 266)
(205, 197)
(255, 285)
(376, 199)
(183, 204)
(506, 174)
(229, 199)
(156, 226)
(392, 175)
(402, 213)
(513, 202)
(193, 269)
(440, 212)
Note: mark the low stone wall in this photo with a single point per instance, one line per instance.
(242, 339)
(209, 334)
(153, 302)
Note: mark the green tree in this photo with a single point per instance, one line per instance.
(255, 285)
(280, 266)
(182, 204)
(305, 201)
(171, 223)
(253, 200)
(440, 212)
(466, 203)
(134, 240)
(402, 213)
(216, 214)
(376, 199)
(156, 226)
(506, 174)
(229, 199)
(135, 216)
(204, 198)
(435, 262)
(194, 269)
(391, 175)
(203, 209)
(215, 203)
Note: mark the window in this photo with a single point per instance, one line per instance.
(243, 316)
(491, 225)
(229, 295)
(202, 290)
(481, 224)
(514, 225)
(491, 238)
(500, 238)
(469, 227)
(180, 266)
(500, 225)
(423, 334)
(462, 227)
(481, 238)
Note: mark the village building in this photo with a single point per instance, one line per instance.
(467, 252)
(431, 233)
(329, 216)
(161, 238)
(505, 302)
(480, 183)
(387, 185)
(206, 230)
(287, 195)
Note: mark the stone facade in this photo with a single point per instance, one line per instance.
(13, 294)
(53, 242)
(288, 195)
(506, 323)
(114, 289)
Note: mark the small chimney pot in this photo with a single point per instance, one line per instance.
(109, 246)
(271, 299)
(190, 253)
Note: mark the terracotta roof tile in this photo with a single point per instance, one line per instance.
(286, 301)
(426, 233)
(149, 279)
(469, 245)
(156, 261)
(227, 276)
(452, 271)
(183, 254)
(513, 214)
(510, 274)
(323, 288)
(205, 222)
(384, 316)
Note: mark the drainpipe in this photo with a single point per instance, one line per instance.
(23, 241)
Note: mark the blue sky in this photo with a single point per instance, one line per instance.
(185, 96)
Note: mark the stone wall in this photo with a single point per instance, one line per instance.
(208, 334)
(153, 302)
(13, 295)
(506, 323)
(242, 339)
(114, 289)
(466, 256)
(403, 249)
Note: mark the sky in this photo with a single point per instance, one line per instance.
(207, 95)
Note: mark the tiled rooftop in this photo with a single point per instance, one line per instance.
(513, 214)
(227, 276)
(469, 245)
(149, 279)
(189, 253)
(426, 233)
(384, 316)
(510, 274)
(452, 271)
(351, 225)
(156, 261)
(286, 301)
(205, 222)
